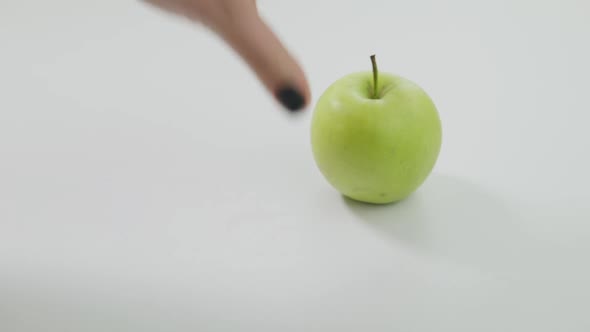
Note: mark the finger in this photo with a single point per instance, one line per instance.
(256, 43)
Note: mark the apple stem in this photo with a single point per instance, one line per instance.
(375, 75)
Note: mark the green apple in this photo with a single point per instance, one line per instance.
(375, 136)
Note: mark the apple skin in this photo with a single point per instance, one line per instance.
(375, 150)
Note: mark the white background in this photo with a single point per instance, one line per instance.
(149, 183)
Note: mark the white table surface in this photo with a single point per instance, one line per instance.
(149, 183)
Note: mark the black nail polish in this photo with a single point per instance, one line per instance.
(290, 98)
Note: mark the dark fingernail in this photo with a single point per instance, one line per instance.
(290, 98)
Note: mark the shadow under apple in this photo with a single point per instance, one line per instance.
(453, 219)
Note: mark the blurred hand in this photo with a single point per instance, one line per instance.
(238, 23)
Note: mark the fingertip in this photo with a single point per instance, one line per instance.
(276, 68)
(294, 92)
(291, 97)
